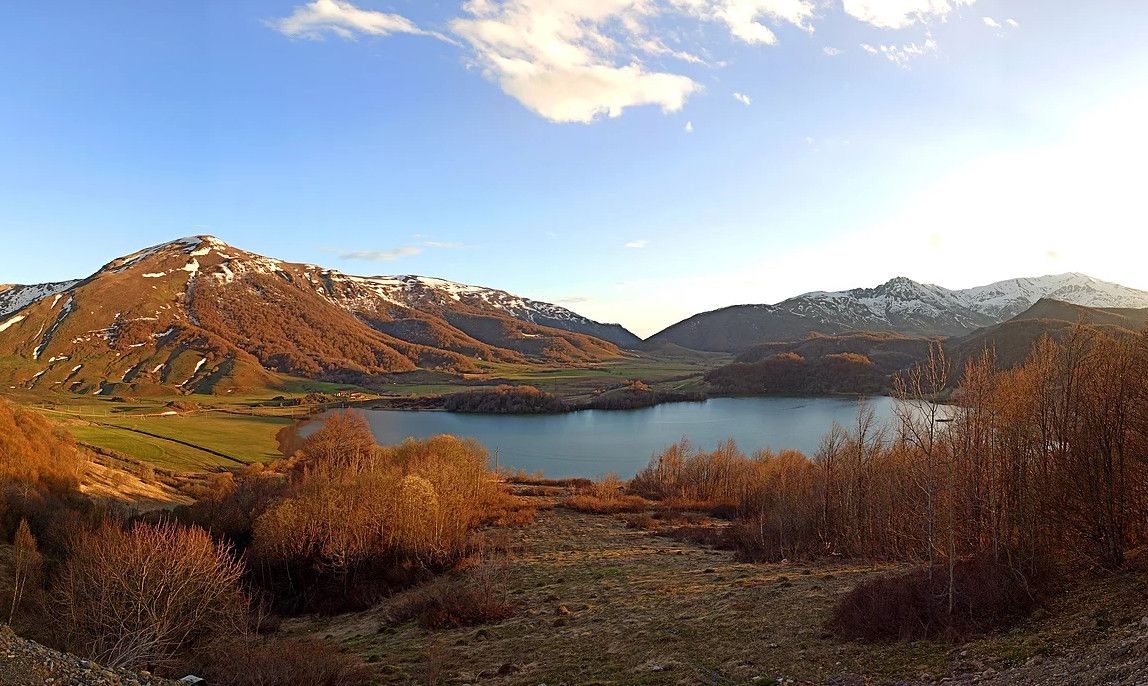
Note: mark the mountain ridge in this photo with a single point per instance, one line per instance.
(196, 314)
(899, 305)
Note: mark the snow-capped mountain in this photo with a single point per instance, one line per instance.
(199, 314)
(423, 292)
(15, 297)
(900, 305)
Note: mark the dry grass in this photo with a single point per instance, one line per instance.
(476, 596)
(602, 603)
(613, 505)
(252, 662)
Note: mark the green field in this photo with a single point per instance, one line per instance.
(161, 453)
(210, 432)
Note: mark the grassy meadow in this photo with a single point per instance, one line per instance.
(203, 432)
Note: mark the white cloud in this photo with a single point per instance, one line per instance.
(582, 60)
(689, 127)
(990, 22)
(898, 14)
(637, 245)
(561, 58)
(743, 99)
(743, 17)
(1013, 23)
(578, 60)
(345, 20)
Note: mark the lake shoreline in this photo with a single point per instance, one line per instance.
(437, 403)
(591, 443)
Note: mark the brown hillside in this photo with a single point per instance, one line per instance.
(199, 315)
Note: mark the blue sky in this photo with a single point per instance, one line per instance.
(635, 160)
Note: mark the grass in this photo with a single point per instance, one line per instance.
(602, 603)
(195, 439)
(245, 438)
(242, 430)
(667, 374)
(154, 451)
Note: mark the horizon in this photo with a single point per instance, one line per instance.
(645, 336)
(719, 159)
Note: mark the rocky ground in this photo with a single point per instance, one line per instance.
(601, 603)
(25, 663)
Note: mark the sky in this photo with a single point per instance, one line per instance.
(637, 161)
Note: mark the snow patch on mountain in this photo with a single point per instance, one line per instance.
(16, 297)
(908, 304)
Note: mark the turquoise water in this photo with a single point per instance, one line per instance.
(592, 443)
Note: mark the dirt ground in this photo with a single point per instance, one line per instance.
(600, 603)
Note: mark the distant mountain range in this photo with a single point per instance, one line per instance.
(199, 315)
(900, 305)
(867, 362)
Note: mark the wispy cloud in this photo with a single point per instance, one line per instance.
(831, 51)
(343, 19)
(392, 254)
(637, 245)
(689, 127)
(1013, 23)
(902, 54)
(743, 99)
(573, 300)
(381, 255)
(990, 22)
(898, 14)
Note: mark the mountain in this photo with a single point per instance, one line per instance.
(900, 305)
(819, 364)
(15, 297)
(1013, 340)
(196, 314)
(867, 362)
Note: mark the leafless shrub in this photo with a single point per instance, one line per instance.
(140, 597)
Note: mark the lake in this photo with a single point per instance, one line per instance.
(591, 443)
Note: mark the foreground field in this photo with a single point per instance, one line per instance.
(601, 603)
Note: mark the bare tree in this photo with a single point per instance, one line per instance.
(26, 564)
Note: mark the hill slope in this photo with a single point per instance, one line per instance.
(1011, 342)
(900, 305)
(199, 315)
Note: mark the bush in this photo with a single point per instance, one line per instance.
(640, 521)
(141, 597)
(356, 523)
(252, 662)
(478, 596)
(986, 595)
